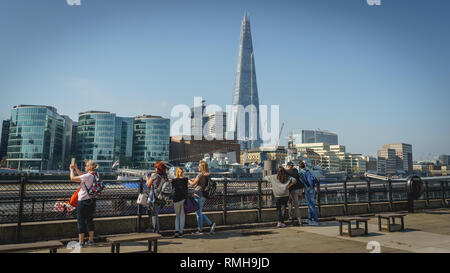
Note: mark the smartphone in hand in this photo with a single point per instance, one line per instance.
(73, 162)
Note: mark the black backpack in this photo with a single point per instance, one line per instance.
(210, 189)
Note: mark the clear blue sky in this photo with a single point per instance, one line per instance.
(372, 74)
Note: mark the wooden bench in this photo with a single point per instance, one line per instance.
(51, 245)
(150, 237)
(353, 231)
(391, 226)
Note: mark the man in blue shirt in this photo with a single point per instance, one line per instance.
(310, 194)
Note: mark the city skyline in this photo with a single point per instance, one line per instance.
(367, 70)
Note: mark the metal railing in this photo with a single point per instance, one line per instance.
(27, 200)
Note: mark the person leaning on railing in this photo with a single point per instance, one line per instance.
(281, 182)
(86, 205)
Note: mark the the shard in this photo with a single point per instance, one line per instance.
(246, 91)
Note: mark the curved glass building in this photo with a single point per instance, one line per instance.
(103, 137)
(151, 140)
(36, 138)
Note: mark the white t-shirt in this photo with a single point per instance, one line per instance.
(87, 180)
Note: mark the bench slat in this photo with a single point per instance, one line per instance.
(31, 246)
(134, 237)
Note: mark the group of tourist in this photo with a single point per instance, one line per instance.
(287, 186)
(180, 195)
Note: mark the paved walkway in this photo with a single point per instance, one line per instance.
(427, 231)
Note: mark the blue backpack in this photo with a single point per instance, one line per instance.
(310, 179)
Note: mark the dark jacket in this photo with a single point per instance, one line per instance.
(181, 189)
(294, 173)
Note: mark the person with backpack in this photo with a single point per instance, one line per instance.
(294, 191)
(281, 182)
(86, 200)
(160, 191)
(310, 182)
(180, 185)
(202, 183)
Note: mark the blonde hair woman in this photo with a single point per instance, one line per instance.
(180, 184)
(199, 184)
(86, 205)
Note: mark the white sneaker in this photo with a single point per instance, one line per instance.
(198, 232)
(313, 223)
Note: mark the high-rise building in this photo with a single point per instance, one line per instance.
(207, 125)
(403, 157)
(316, 136)
(151, 140)
(246, 92)
(444, 160)
(36, 138)
(386, 161)
(4, 138)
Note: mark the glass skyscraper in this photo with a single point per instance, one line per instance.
(36, 138)
(151, 140)
(246, 91)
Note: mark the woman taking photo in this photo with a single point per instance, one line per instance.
(199, 184)
(153, 183)
(180, 184)
(86, 204)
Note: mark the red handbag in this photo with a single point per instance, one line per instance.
(74, 199)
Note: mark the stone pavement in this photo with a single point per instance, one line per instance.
(426, 231)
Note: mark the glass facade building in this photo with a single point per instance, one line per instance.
(315, 136)
(246, 92)
(4, 138)
(104, 138)
(151, 141)
(36, 138)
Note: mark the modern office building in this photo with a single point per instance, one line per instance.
(444, 160)
(246, 92)
(371, 163)
(207, 125)
(4, 138)
(403, 157)
(36, 138)
(151, 140)
(103, 137)
(261, 154)
(316, 136)
(386, 161)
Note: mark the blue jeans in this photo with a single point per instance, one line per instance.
(200, 215)
(85, 215)
(310, 194)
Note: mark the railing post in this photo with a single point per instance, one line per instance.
(139, 208)
(326, 195)
(369, 197)
(225, 200)
(23, 181)
(427, 194)
(259, 200)
(444, 202)
(318, 200)
(345, 198)
(390, 194)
